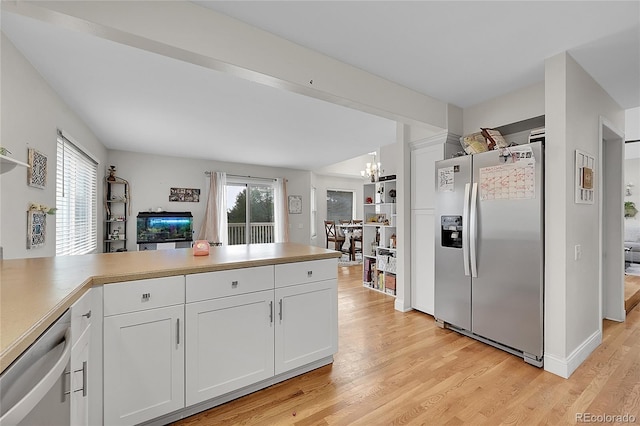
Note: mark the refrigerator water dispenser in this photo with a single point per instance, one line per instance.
(451, 227)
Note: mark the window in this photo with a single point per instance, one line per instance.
(340, 205)
(314, 213)
(251, 216)
(76, 199)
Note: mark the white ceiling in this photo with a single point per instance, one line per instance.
(462, 53)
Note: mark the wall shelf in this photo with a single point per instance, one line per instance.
(8, 164)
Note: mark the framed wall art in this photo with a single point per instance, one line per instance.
(37, 170)
(585, 178)
(188, 195)
(295, 204)
(36, 228)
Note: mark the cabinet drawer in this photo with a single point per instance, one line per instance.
(306, 272)
(80, 316)
(140, 295)
(211, 285)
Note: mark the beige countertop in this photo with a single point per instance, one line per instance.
(34, 292)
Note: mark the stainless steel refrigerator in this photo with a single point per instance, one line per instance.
(489, 254)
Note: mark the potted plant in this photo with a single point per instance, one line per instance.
(630, 209)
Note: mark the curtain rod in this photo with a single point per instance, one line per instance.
(243, 176)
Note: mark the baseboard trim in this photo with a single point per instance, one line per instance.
(400, 306)
(564, 367)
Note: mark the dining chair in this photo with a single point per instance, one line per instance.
(332, 235)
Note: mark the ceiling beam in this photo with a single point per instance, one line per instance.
(191, 33)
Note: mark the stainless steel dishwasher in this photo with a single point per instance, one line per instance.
(34, 389)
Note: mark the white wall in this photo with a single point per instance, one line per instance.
(510, 108)
(322, 184)
(152, 176)
(574, 103)
(31, 114)
(632, 124)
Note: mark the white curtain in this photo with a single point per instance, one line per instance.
(280, 211)
(214, 225)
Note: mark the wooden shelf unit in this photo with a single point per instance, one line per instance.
(116, 206)
(378, 230)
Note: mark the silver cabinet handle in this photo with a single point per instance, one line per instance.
(83, 389)
(309, 274)
(84, 377)
(280, 309)
(178, 331)
(88, 314)
(271, 311)
(146, 297)
(234, 284)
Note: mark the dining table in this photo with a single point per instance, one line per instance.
(351, 231)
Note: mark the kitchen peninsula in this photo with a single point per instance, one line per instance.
(281, 278)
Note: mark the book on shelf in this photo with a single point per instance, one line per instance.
(390, 281)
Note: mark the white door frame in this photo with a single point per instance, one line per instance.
(611, 223)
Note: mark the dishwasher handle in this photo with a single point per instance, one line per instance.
(23, 407)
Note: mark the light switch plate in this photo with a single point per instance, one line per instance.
(578, 252)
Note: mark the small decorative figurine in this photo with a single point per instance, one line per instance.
(112, 174)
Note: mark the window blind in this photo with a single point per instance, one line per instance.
(76, 199)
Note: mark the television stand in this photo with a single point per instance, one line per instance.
(164, 246)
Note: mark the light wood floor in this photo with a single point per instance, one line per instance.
(399, 368)
(631, 291)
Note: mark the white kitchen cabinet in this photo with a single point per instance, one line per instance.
(261, 337)
(173, 343)
(81, 317)
(143, 350)
(306, 317)
(229, 344)
(424, 155)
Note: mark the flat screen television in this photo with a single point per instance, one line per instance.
(164, 227)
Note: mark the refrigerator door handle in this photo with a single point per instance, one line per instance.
(465, 229)
(473, 230)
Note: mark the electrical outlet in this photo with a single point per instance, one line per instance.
(578, 252)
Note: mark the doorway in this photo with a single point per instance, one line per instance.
(631, 224)
(611, 222)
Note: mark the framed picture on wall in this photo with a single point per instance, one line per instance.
(585, 178)
(37, 171)
(36, 228)
(295, 204)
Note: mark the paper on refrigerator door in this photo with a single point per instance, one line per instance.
(445, 179)
(515, 181)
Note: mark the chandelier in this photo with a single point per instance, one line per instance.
(373, 169)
